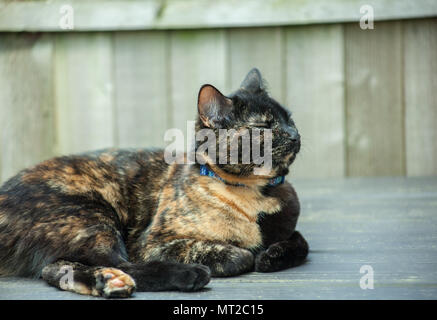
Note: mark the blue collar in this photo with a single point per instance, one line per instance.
(205, 171)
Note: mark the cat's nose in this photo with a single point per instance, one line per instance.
(294, 135)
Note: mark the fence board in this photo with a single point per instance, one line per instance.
(315, 94)
(197, 57)
(375, 123)
(420, 45)
(112, 15)
(261, 48)
(26, 106)
(142, 97)
(84, 92)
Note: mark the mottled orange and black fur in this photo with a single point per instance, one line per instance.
(125, 220)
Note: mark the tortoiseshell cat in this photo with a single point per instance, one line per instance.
(125, 220)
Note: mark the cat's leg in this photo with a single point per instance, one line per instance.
(167, 275)
(283, 254)
(87, 264)
(285, 247)
(122, 281)
(100, 266)
(151, 276)
(222, 259)
(96, 281)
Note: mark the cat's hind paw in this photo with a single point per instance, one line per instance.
(114, 283)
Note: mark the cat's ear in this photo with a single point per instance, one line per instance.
(212, 106)
(253, 82)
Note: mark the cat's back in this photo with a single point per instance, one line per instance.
(108, 172)
(89, 169)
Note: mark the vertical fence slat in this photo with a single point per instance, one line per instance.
(420, 45)
(26, 103)
(84, 92)
(142, 97)
(315, 94)
(374, 104)
(261, 48)
(197, 57)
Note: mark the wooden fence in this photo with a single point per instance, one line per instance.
(365, 101)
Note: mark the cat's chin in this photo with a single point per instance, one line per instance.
(282, 171)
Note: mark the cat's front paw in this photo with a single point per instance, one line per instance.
(236, 261)
(114, 283)
(191, 277)
(283, 255)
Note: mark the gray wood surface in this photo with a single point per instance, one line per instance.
(99, 15)
(142, 100)
(374, 101)
(387, 223)
(84, 92)
(315, 86)
(26, 101)
(262, 48)
(420, 47)
(196, 58)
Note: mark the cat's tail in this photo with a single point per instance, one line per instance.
(125, 279)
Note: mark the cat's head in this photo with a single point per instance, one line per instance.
(249, 108)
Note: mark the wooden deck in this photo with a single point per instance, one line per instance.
(387, 223)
